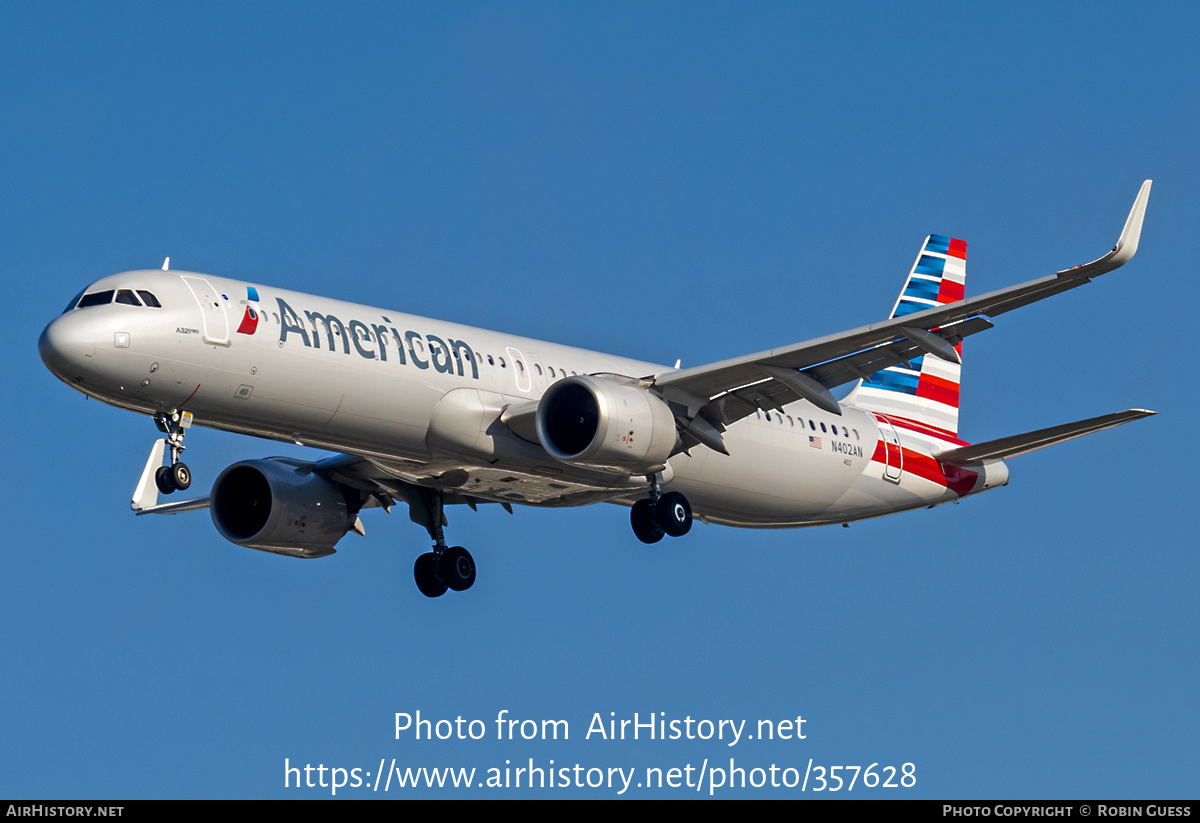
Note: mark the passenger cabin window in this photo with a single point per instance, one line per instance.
(97, 298)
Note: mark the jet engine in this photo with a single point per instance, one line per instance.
(605, 424)
(279, 505)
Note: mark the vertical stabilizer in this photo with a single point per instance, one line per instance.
(927, 393)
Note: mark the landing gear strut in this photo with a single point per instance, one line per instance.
(177, 476)
(660, 514)
(443, 568)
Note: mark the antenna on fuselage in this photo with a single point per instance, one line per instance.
(166, 264)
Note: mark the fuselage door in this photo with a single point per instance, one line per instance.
(539, 373)
(212, 312)
(894, 468)
(521, 370)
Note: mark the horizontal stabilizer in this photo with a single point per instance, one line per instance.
(175, 508)
(1032, 441)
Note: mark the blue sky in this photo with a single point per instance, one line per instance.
(659, 181)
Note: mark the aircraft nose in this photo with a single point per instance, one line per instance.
(67, 345)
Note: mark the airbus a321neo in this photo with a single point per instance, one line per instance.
(432, 413)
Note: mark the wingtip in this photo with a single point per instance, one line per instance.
(1128, 242)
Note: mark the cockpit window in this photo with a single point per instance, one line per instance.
(103, 298)
(97, 298)
(74, 301)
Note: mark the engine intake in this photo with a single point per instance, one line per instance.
(275, 505)
(603, 424)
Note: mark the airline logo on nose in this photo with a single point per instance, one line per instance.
(249, 322)
(250, 318)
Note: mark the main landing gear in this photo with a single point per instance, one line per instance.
(660, 514)
(443, 568)
(177, 476)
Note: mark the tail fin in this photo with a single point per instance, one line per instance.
(927, 393)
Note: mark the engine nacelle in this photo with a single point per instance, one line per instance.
(274, 505)
(604, 424)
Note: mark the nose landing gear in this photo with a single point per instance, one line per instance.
(177, 476)
(173, 478)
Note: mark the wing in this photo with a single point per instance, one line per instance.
(721, 393)
(383, 482)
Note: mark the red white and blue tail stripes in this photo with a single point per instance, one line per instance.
(927, 393)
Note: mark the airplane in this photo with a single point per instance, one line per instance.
(431, 413)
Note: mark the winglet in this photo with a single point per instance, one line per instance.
(145, 496)
(1127, 243)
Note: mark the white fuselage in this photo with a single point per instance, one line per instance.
(390, 386)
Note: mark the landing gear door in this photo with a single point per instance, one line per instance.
(894, 467)
(212, 313)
